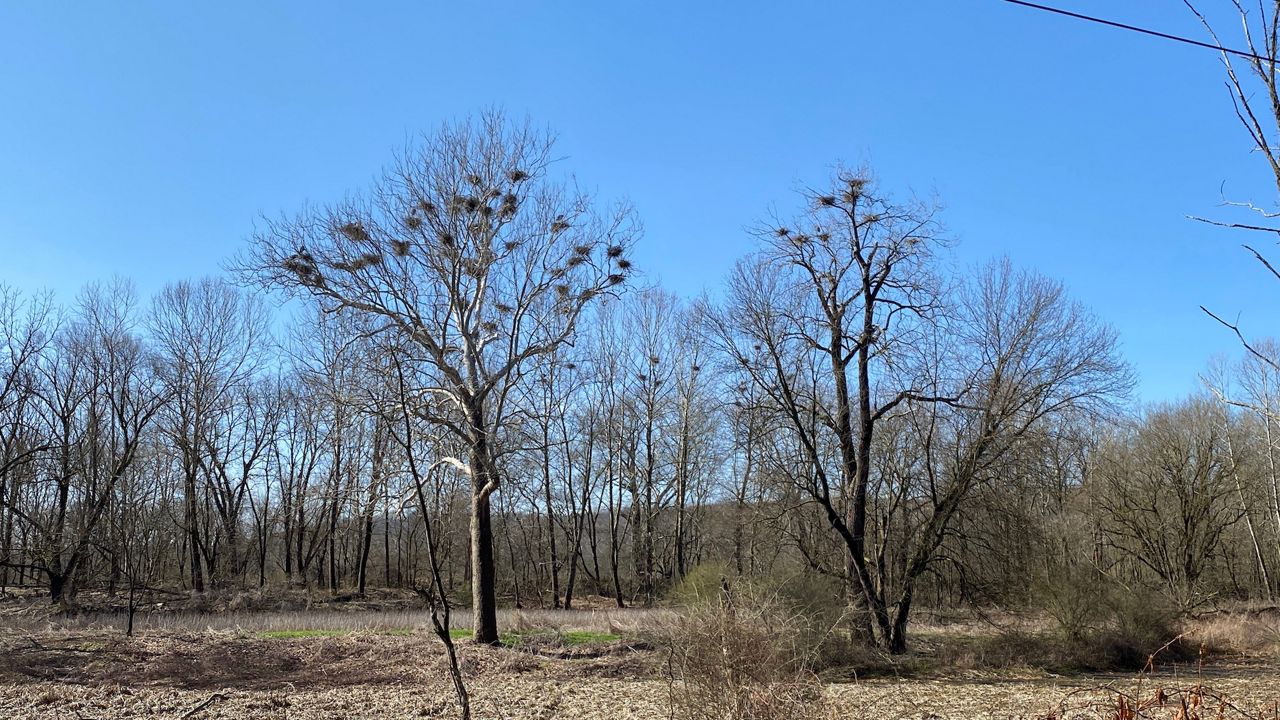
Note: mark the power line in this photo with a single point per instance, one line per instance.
(1144, 31)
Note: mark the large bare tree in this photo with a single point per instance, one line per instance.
(818, 321)
(473, 256)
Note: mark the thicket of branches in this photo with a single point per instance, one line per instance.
(469, 348)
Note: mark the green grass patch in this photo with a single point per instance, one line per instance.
(588, 637)
(518, 638)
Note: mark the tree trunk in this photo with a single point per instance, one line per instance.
(193, 532)
(484, 602)
(554, 557)
(57, 588)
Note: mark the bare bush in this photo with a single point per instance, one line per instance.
(742, 655)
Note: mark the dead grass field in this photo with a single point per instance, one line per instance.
(585, 665)
(100, 674)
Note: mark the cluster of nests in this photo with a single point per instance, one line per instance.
(483, 206)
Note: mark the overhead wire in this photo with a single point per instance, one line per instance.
(1142, 30)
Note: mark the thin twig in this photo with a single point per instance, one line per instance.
(216, 697)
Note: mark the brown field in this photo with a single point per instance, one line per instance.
(385, 664)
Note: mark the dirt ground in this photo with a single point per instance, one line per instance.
(101, 674)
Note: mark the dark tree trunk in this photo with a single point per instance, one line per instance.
(484, 602)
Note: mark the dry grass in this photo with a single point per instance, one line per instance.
(328, 619)
(1253, 633)
(513, 694)
(331, 663)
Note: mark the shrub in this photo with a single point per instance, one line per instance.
(1141, 628)
(1103, 625)
(700, 586)
(744, 655)
(1068, 592)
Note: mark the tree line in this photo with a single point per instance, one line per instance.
(474, 394)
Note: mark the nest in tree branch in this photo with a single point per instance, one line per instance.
(827, 200)
(299, 266)
(854, 191)
(517, 175)
(413, 222)
(354, 232)
(400, 248)
(614, 251)
(616, 279)
(359, 263)
(474, 179)
(624, 264)
(506, 212)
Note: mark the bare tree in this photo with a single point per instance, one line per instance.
(1254, 87)
(98, 397)
(1166, 488)
(27, 328)
(209, 337)
(1247, 391)
(814, 321)
(400, 426)
(467, 251)
(1024, 356)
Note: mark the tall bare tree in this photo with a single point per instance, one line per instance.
(815, 321)
(209, 336)
(468, 251)
(1021, 355)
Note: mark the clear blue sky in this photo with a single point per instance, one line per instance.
(143, 138)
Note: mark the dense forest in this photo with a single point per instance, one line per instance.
(468, 362)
